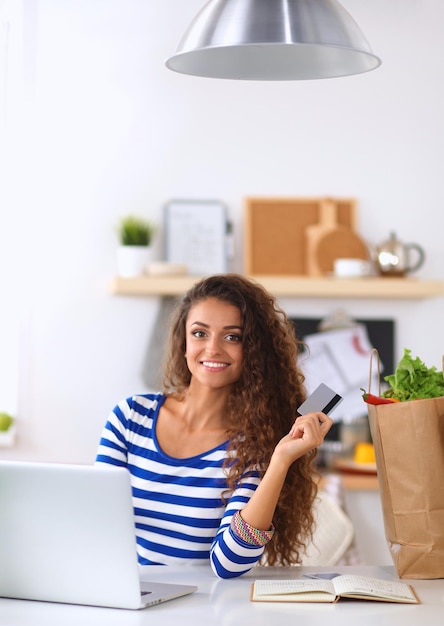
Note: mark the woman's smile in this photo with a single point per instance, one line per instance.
(215, 365)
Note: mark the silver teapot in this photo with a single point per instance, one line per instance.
(395, 258)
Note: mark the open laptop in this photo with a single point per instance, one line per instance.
(67, 535)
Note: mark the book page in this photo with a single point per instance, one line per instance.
(362, 586)
(293, 591)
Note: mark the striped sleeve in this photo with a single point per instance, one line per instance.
(230, 555)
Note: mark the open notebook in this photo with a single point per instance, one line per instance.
(67, 535)
(322, 590)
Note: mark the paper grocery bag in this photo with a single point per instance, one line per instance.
(409, 446)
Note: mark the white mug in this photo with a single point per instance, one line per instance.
(345, 268)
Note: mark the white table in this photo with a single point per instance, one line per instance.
(226, 603)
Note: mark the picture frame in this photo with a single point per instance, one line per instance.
(196, 235)
(275, 235)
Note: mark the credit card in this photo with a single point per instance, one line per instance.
(322, 399)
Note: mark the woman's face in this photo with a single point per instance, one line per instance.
(214, 349)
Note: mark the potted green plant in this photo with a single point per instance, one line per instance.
(135, 231)
(7, 429)
(134, 252)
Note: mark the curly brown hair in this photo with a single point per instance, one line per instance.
(262, 403)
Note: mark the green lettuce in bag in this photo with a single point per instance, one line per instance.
(413, 380)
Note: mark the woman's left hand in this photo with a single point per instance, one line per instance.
(307, 433)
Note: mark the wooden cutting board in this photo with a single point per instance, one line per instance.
(339, 244)
(327, 241)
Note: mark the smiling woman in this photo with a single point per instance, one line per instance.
(221, 466)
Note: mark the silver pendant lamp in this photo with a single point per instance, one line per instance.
(273, 40)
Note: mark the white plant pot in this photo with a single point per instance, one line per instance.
(7, 437)
(133, 260)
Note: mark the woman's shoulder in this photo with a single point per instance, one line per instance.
(145, 403)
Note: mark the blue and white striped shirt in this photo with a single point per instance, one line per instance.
(180, 516)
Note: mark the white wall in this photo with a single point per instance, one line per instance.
(107, 129)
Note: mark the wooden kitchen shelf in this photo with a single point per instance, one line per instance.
(353, 482)
(293, 286)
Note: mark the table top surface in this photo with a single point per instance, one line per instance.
(227, 603)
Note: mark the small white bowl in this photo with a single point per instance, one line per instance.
(163, 268)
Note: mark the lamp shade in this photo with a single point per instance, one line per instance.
(273, 40)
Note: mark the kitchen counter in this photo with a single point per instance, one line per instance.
(227, 603)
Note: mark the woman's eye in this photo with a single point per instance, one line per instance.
(198, 333)
(236, 338)
(202, 334)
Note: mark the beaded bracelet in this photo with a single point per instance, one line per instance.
(248, 533)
